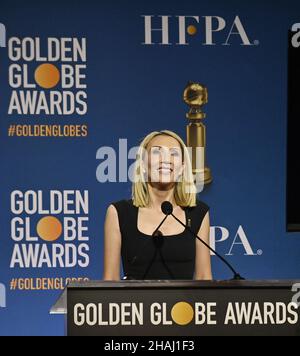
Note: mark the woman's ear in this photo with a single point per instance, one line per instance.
(143, 168)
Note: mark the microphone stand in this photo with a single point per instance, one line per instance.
(156, 236)
(236, 276)
(159, 226)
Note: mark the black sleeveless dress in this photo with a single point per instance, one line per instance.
(151, 258)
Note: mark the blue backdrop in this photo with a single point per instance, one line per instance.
(133, 88)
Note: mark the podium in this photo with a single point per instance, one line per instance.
(181, 308)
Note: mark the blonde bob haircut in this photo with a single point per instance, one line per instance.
(185, 189)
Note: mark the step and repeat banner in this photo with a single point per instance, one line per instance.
(82, 82)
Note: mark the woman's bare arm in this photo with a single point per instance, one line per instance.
(203, 264)
(112, 245)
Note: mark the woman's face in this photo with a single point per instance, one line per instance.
(164, 163)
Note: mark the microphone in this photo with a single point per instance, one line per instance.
(157, 235)
(167, 209)
(158, 241)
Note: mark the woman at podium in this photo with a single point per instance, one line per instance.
(163, 172)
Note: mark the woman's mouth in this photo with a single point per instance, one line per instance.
(165, 170)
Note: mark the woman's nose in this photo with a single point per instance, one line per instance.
(165, 162)
(165, 156)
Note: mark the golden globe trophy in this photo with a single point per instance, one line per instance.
(195, 95)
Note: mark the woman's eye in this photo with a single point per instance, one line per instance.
(175, 153)
(155, 151)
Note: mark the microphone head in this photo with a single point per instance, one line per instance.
(167, 208)
(158, 239)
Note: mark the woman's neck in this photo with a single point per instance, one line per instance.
(158, 196)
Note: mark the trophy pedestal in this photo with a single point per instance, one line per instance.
(203, 175)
